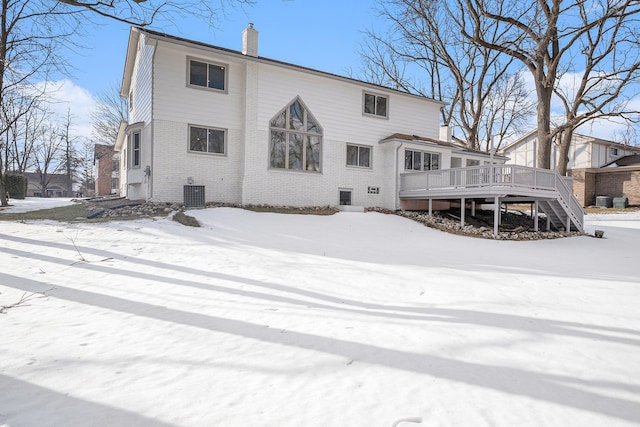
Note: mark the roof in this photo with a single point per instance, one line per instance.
(427, 140)
(631, 160)
(586, 138)
(136, 31)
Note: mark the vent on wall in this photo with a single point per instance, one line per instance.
(194, 196)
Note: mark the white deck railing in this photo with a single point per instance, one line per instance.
(494, 176)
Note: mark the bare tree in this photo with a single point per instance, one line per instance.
(425, 53)
(86, 154)
(145, 13)
(547, 37)
(34, 33)
(46, 155)
(110, 111)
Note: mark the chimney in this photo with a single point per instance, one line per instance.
(445, 133)
(250, 41)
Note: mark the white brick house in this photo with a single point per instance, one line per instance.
(250, 130)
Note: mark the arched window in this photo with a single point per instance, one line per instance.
(295, 139)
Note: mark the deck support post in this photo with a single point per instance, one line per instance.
(568, 227)
(473, 208)
(496, 215)
(462, 211)
(430, 207)
(535, 216)
(548, 223)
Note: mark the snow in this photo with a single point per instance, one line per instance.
(354, 319)
(34, 203)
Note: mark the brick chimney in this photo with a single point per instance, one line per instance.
(250, 41)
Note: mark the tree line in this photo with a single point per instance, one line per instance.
(483, 56)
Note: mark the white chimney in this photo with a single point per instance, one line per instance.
(445, 133)
(250, 41)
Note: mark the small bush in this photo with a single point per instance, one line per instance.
(187, 220)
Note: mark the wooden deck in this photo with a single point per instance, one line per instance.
(550, 192)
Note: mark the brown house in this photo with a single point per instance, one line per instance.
(617, 179)
(107, 166)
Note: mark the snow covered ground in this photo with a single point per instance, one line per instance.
(354, 319)
(34, 203)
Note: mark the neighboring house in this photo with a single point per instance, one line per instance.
(107, 168)
(56, 187)
(213, 124)
(590, 160)
(585, 151)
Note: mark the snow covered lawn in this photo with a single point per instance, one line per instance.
(354, 319)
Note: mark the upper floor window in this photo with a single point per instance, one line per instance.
(135, 149)
(208, 75)
(376, 105)
(207, 140)
(358, 155)
(421, 160)
(613, 152)
(295, 139)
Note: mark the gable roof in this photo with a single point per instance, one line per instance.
(630, 160)
(585, 138)
(135, 35)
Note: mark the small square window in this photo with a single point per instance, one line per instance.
(375, 105)
(359, 156)
(203, 74)
(613, 152)
(207, 140)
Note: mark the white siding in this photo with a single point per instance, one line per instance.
(337, 106)
(141, 81)
(256, 92)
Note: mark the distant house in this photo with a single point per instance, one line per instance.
(107, 170)
(590, 163)
(585, 151)
(214, 124)
(56, 185)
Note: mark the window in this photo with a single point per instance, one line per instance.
(456, 162)
(295, 140)
(204, 74)
(613, 152)
(135, 149)
(471, 162)
(207, 140)
(345, 197)
(375, 105)
(421, 160)
(358, 155)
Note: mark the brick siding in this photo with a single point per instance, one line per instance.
(614, 182)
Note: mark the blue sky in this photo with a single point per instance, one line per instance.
(324, 35)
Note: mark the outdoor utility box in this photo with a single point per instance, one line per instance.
(604, 202)
(621, 202)
(194, 196)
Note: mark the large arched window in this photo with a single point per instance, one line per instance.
(295, 139)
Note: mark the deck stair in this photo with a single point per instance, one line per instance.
(500, 183)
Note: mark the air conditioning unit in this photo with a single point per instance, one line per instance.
(194, 196)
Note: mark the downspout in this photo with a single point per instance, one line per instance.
(151, 143)
(397, 176)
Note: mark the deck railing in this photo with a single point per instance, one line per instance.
(495, 176)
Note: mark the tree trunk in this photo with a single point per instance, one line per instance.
(544, 125)
(563, 156)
